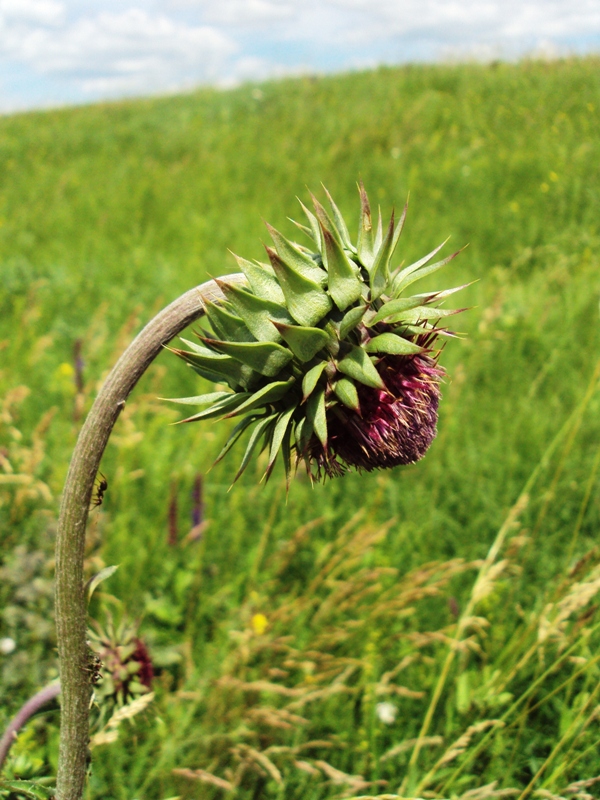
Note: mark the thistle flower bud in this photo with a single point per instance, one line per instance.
(126, 669)
(326, 357)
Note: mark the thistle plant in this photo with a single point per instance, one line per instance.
(324, 353)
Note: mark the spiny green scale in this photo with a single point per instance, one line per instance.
(325, 357)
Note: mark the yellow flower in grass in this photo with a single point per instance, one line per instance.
(65, 370)
(259, 624)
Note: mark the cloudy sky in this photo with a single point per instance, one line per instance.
(54, 52)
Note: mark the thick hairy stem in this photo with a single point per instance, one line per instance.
(70, 600)
(31, 707)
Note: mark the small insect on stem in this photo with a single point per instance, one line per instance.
(94, 667)
(102, 486)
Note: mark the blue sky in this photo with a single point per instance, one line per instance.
(55, 52)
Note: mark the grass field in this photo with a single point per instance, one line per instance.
(278, 632)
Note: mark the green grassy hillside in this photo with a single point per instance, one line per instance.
(280, 631)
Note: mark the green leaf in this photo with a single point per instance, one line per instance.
(432, 297)
(379, 275)
(314, 225)
(344, 286)
(299, 262)
(316, 415)
(350, 320)
(304, 343)
(286, 446)
(358, 366)
(365, 229)
(333, 344)
(418, 264)
(215, 377)
(399, 226)
(418, 330)
(325, 220)
(378, 232)
(96, 580)
(399, 277)
(270, 393)
(262, 281)
(390, 343)
(219, 409)
(200, 400)
(346, 391)
(400, 286)
(394, 307)
(426, 312)
(227, 325)
(268, 358)
(311, 378)
(304, 228)
(340, 223)
(302, 434)
(235, 435)
(28, 789)
(217, 367)
(305, 300)
(259, 430)
(279, 432)
(196, 348)
(256, 312)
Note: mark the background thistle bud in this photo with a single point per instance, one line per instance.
(126, 669)
(327, 358)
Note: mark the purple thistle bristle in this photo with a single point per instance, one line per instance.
(394, 428)
(146, 670)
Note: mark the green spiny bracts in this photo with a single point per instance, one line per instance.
(327, 358)
(123, 661)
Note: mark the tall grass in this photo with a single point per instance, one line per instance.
(281, 628)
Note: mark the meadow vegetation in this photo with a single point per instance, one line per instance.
(428, 632)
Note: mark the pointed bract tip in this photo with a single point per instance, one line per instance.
(392, 222)
(316, 202)
(365, 207)
(273, 255)
(329, 197)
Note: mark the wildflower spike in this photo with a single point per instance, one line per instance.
(327, 359)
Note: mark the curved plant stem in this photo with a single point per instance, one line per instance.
(70, 600)
(31, 707)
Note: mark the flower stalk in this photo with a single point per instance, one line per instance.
(27, 710)
(71, 610)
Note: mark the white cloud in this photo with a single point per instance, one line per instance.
(497, 21)
(42, 12)
(508, 26)
(245, 12)
(132, 51)
(98, 48)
